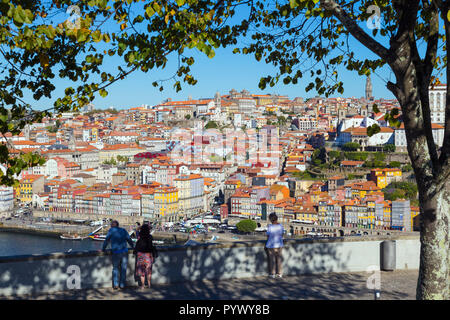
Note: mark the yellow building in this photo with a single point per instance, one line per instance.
(383, 177)
(307, 214)
(94, 134)
(271, 108)
(166, 204)
(415, 221)
(387, 214)
(263, 99)
(29, 185)
(371, 214)
(361, 190)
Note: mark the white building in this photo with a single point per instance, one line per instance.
(247, 106)
(190, 193)
(306, 124)
(356, 122)
(6, 198)
(400, 136)
(86, 135)
(385, 136)
(42, 137)
(51, 168)
(437, 103)
(148, 175)
(105, 173)
(122, 137)
(238, 120)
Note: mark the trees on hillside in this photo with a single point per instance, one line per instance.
(351, 146)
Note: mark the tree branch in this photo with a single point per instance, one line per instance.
(444, 158)
(351, 25)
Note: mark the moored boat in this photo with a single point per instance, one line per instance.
(98, 237)
(71, 237)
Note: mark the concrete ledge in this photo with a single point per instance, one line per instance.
(57, 272)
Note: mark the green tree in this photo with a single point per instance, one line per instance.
(246, 225)
(400, 190)
(122, 159)
(187, 117)
(407, 168)
(395, 164)
(319, 156)
(281, 120)
(356, 156)
(112, 161)
(351, 146)
(379, 156)
(211, 125)
(389, 148)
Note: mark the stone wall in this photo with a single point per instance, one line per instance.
(58, 272)
(123, 220)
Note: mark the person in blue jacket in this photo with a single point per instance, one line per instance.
(118, 238)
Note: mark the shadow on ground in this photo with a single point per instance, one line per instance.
(398, 285)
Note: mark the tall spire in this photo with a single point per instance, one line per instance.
(369, 89)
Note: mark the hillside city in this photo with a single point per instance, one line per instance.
(238, 155)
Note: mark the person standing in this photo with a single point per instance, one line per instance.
(137, 229)
(146, 254)
(118, 238)
(274, 246)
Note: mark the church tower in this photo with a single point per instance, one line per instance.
(26, 132)
(369, 89)
(217, 100)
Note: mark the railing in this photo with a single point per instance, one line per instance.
(82, 270)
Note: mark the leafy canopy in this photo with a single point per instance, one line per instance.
(41, 41)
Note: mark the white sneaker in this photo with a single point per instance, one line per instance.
(272, 276)
(279, 276)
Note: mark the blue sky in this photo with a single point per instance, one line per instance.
(222, 73)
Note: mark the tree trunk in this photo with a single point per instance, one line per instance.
(434, 195)
(434, 273)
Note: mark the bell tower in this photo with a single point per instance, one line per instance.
(369, 89)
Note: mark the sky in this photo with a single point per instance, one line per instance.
(222, 73)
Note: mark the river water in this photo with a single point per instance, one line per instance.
(14, 244)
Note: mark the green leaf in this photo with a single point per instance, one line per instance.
(103, 93)
(150, 12)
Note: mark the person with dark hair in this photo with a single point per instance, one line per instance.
(118, 238)
(274, 246)
(146, 254)
(137, 229)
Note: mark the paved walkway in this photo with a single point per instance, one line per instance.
(396, 285)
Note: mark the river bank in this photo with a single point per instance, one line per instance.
(43, 229)
(55, 230)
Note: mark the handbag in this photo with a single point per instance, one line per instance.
(154, 252)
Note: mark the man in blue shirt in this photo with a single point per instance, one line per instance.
(118, 238)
